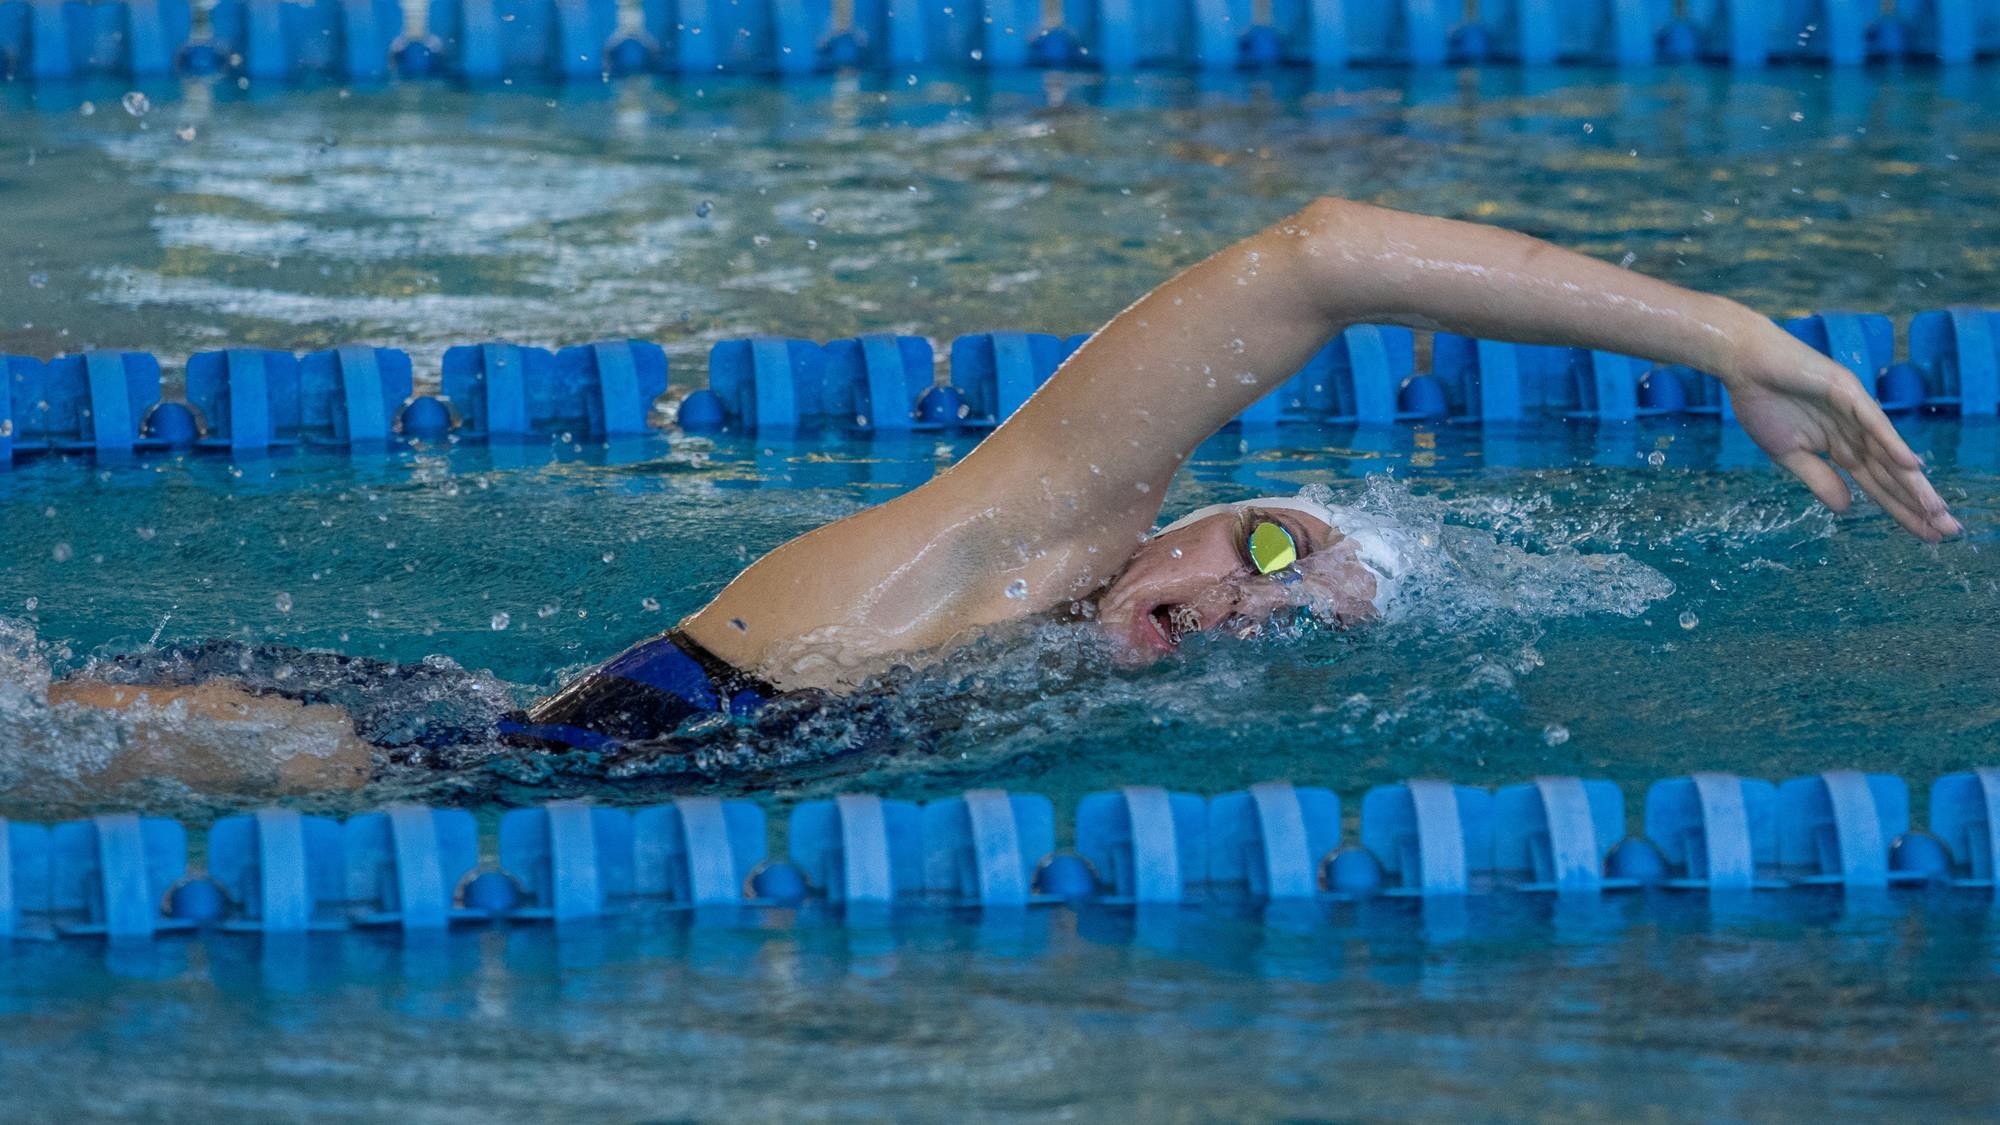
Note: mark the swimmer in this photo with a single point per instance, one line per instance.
(1057, 506)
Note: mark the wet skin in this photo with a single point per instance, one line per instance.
(1200, 577)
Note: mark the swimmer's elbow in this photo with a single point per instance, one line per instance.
(1330, 237)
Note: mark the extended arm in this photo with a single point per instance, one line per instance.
(1052, 504)
(1194, 353)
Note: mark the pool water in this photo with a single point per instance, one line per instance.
(1628, 602)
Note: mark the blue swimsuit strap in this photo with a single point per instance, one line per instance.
(642, 693)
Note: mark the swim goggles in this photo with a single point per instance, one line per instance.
(1272, 550)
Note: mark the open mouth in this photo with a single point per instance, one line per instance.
(1172, 622)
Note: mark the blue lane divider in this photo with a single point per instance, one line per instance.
(277, 39)
(768, 383)
(697, 850)
(488, 384)
(572, 859)
(1554, 834)
(404, 865)
(869, 384)
(54, 39)
(1486, 372)
(280, 868)
(249, 397)
(276, 871)
(859, 848)
(984, 847)
(110, 873)
(1543, 32)
(355, 395)
(1606, 385)
(1144, 843)
(876, 380)
(1965, 813)
(85, 403)
(496, 39)
(24, 874)
(485, 40)
(1958, 353)
(1269, 841)
(1716, 831)
(1862, 343)
(1432, 837)
(997, 371)
(1837, 827)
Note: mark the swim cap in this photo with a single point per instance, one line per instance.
(1379, 544)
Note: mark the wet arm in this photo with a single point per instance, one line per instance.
(1135, 400)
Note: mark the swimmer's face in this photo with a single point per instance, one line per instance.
(1201, 577)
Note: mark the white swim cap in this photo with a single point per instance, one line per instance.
(1379, 544)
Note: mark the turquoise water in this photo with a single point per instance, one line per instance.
(1590, 608)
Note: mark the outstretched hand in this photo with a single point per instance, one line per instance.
(1804, 408)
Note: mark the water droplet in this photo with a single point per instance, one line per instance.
(819, 214)
(650, 605)
(1555, 734)
(501, 621)
(87, 109)
(703, 209)
(146, 533)
(136, 104)
(283, 602)
(63, 552)
(1688, 619)
(185, 132)
(609, 555)
(38, 280)
(1017, 589)
(1175, 553)
(374, 614)
(761, 239)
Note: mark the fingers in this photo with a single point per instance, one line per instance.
(1881, 433)
(1892, 496)
(1818, 476)
(1897, 471)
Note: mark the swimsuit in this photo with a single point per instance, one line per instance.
(643, 693)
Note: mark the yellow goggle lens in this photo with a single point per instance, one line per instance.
(1271, 548)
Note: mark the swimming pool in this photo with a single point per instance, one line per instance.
(1602, 612)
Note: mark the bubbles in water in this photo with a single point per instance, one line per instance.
(703, 209)
(136, 103)
(761, 239)
(185, 132)
(38, 280)
(1656, 458)
(650, 605)
(1555, 734)
(819, 214)
(1688, 619)
(1017, 589)
(500, 621)
(609, 555)
(63, 552)
(284, 603)
(546, 612)
(87, 109)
